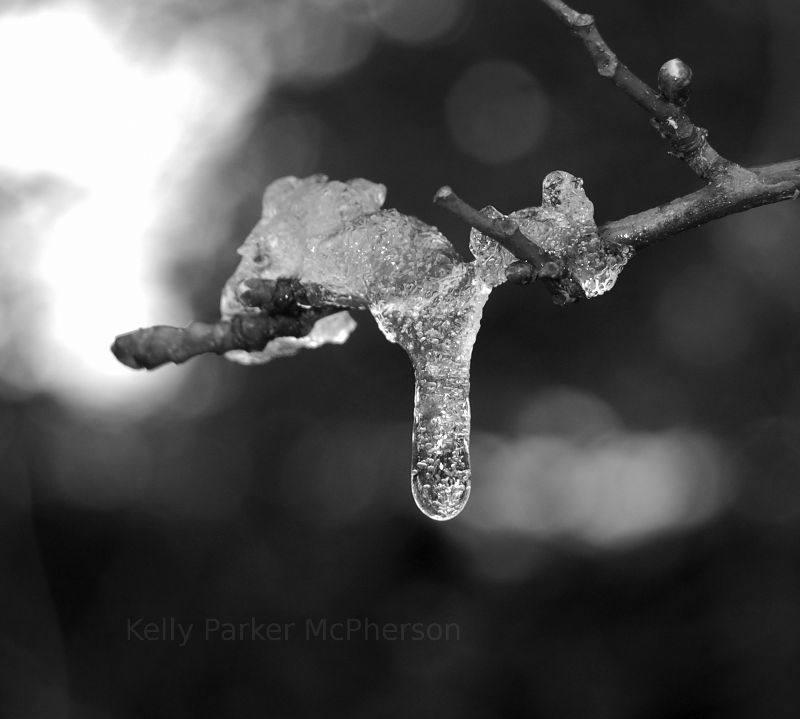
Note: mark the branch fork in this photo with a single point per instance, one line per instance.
(730, 188)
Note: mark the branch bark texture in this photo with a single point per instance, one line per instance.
(279, 310)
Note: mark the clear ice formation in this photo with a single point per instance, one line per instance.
(564, 226)
(347, 251)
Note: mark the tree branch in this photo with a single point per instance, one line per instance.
(686, 140)
(772, 183)
(283, 308)
(730, 187)
(504, 231)
(151, 347)
(279, 311)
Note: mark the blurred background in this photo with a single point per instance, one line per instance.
(631, 545)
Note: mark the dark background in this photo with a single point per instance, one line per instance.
(631, 545)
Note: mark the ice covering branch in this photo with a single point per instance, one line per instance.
(281, 307)
(505, 232)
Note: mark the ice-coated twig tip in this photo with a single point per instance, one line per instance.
(443, 193)
(504, 231)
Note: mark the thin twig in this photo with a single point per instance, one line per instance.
(151, 347)
(504, 231)
(280, 310)
(686, 140)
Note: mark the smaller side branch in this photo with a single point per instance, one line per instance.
(279, 310)
(505, 232)
(686, 140)
(152, 347)
(608, 65)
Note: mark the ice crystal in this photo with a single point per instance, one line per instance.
(347, 251)
(564, 226)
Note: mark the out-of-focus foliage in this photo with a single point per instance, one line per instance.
(630, 548)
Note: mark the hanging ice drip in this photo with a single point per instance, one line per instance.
(347, 251)
(437, 326)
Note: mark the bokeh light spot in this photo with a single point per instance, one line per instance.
(416, 21)
(497, 112)
(116, 136)
(602, 489)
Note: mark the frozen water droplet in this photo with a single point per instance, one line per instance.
(440, 475)
(596, 267)
(564, 226)
(564, 192)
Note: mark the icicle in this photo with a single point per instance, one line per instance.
(438, 332)
(336, 240)
(440, 467)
